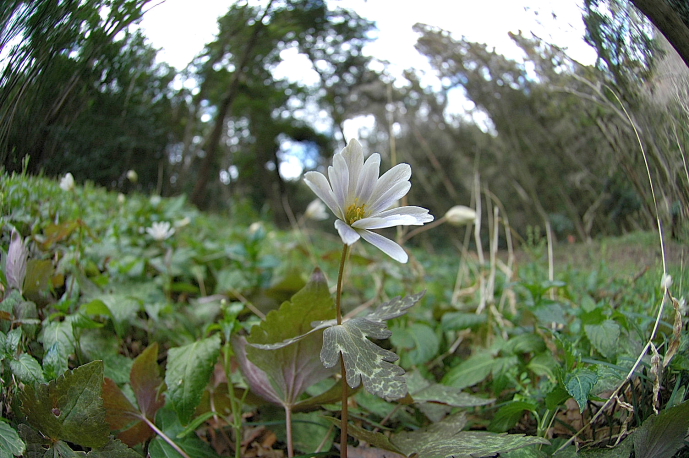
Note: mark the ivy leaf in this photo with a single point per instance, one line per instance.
(69, 408)
(189, 369)
(292, 368)
(579, 384)
(10, 443)
(364, 360)
(446, 439)
(662, 435)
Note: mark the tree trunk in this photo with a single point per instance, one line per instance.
(672, 19)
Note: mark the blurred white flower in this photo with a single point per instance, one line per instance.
(316, 210)
(182, 222)
(121, 198)
(160, 230)
(362, 201)
(155, 200)
(666, 281)
(255, 227)
(132, 176)
(459, 215)
(67, 182)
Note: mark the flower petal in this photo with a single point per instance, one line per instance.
(375, 222)
(385, 245)
(387, 198)
(338, 173)
(353, 154)
(420, 214)
(320, 186)
(397, 174)
(347, 234)
(368, 178)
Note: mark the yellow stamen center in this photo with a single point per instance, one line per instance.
(355, 212)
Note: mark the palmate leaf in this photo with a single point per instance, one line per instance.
(290, 368)
(69, 408)
(365, 361)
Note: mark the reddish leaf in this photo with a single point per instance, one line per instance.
(146, 382)
(120, 413)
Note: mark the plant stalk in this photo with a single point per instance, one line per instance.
(344, 417)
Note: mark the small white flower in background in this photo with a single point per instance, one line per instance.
(67, 182)
(155, 200)
(132, 176)
(459, 215)
(255, 227)
(362, 201)
(160, 230)
(666, 281)
(121, 198)
(316, 210)
(182, 222)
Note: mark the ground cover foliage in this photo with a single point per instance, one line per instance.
(119, 339)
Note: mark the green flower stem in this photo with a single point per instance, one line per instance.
(235, 404)
(338, 304)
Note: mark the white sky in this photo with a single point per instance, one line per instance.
(181, 28)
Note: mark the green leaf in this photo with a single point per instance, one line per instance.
(420, 342)
(470, 372)
(146, 381)
(604, 337)
(364, 360)
(54, 364)
(579, 384)
(446, 439)
(27, 369)
(662, 435)
(69, 408)
(456, 321)
(375, 439)
(509, 415)
(189, 369)
(422, 390)
(113, 449)
(169, 423)
(60, 336)
(38, 275)
(290, 369)
(10, 443)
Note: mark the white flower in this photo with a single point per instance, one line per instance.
(316, 210)
(121, 198)
(132, 176)
(361, 200)
(459, 215)
(183, 222)
(67, 182)
(160, 231)
(666, 281)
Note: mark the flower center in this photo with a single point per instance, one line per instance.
(354, 213)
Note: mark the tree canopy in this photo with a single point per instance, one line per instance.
(549, 141)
